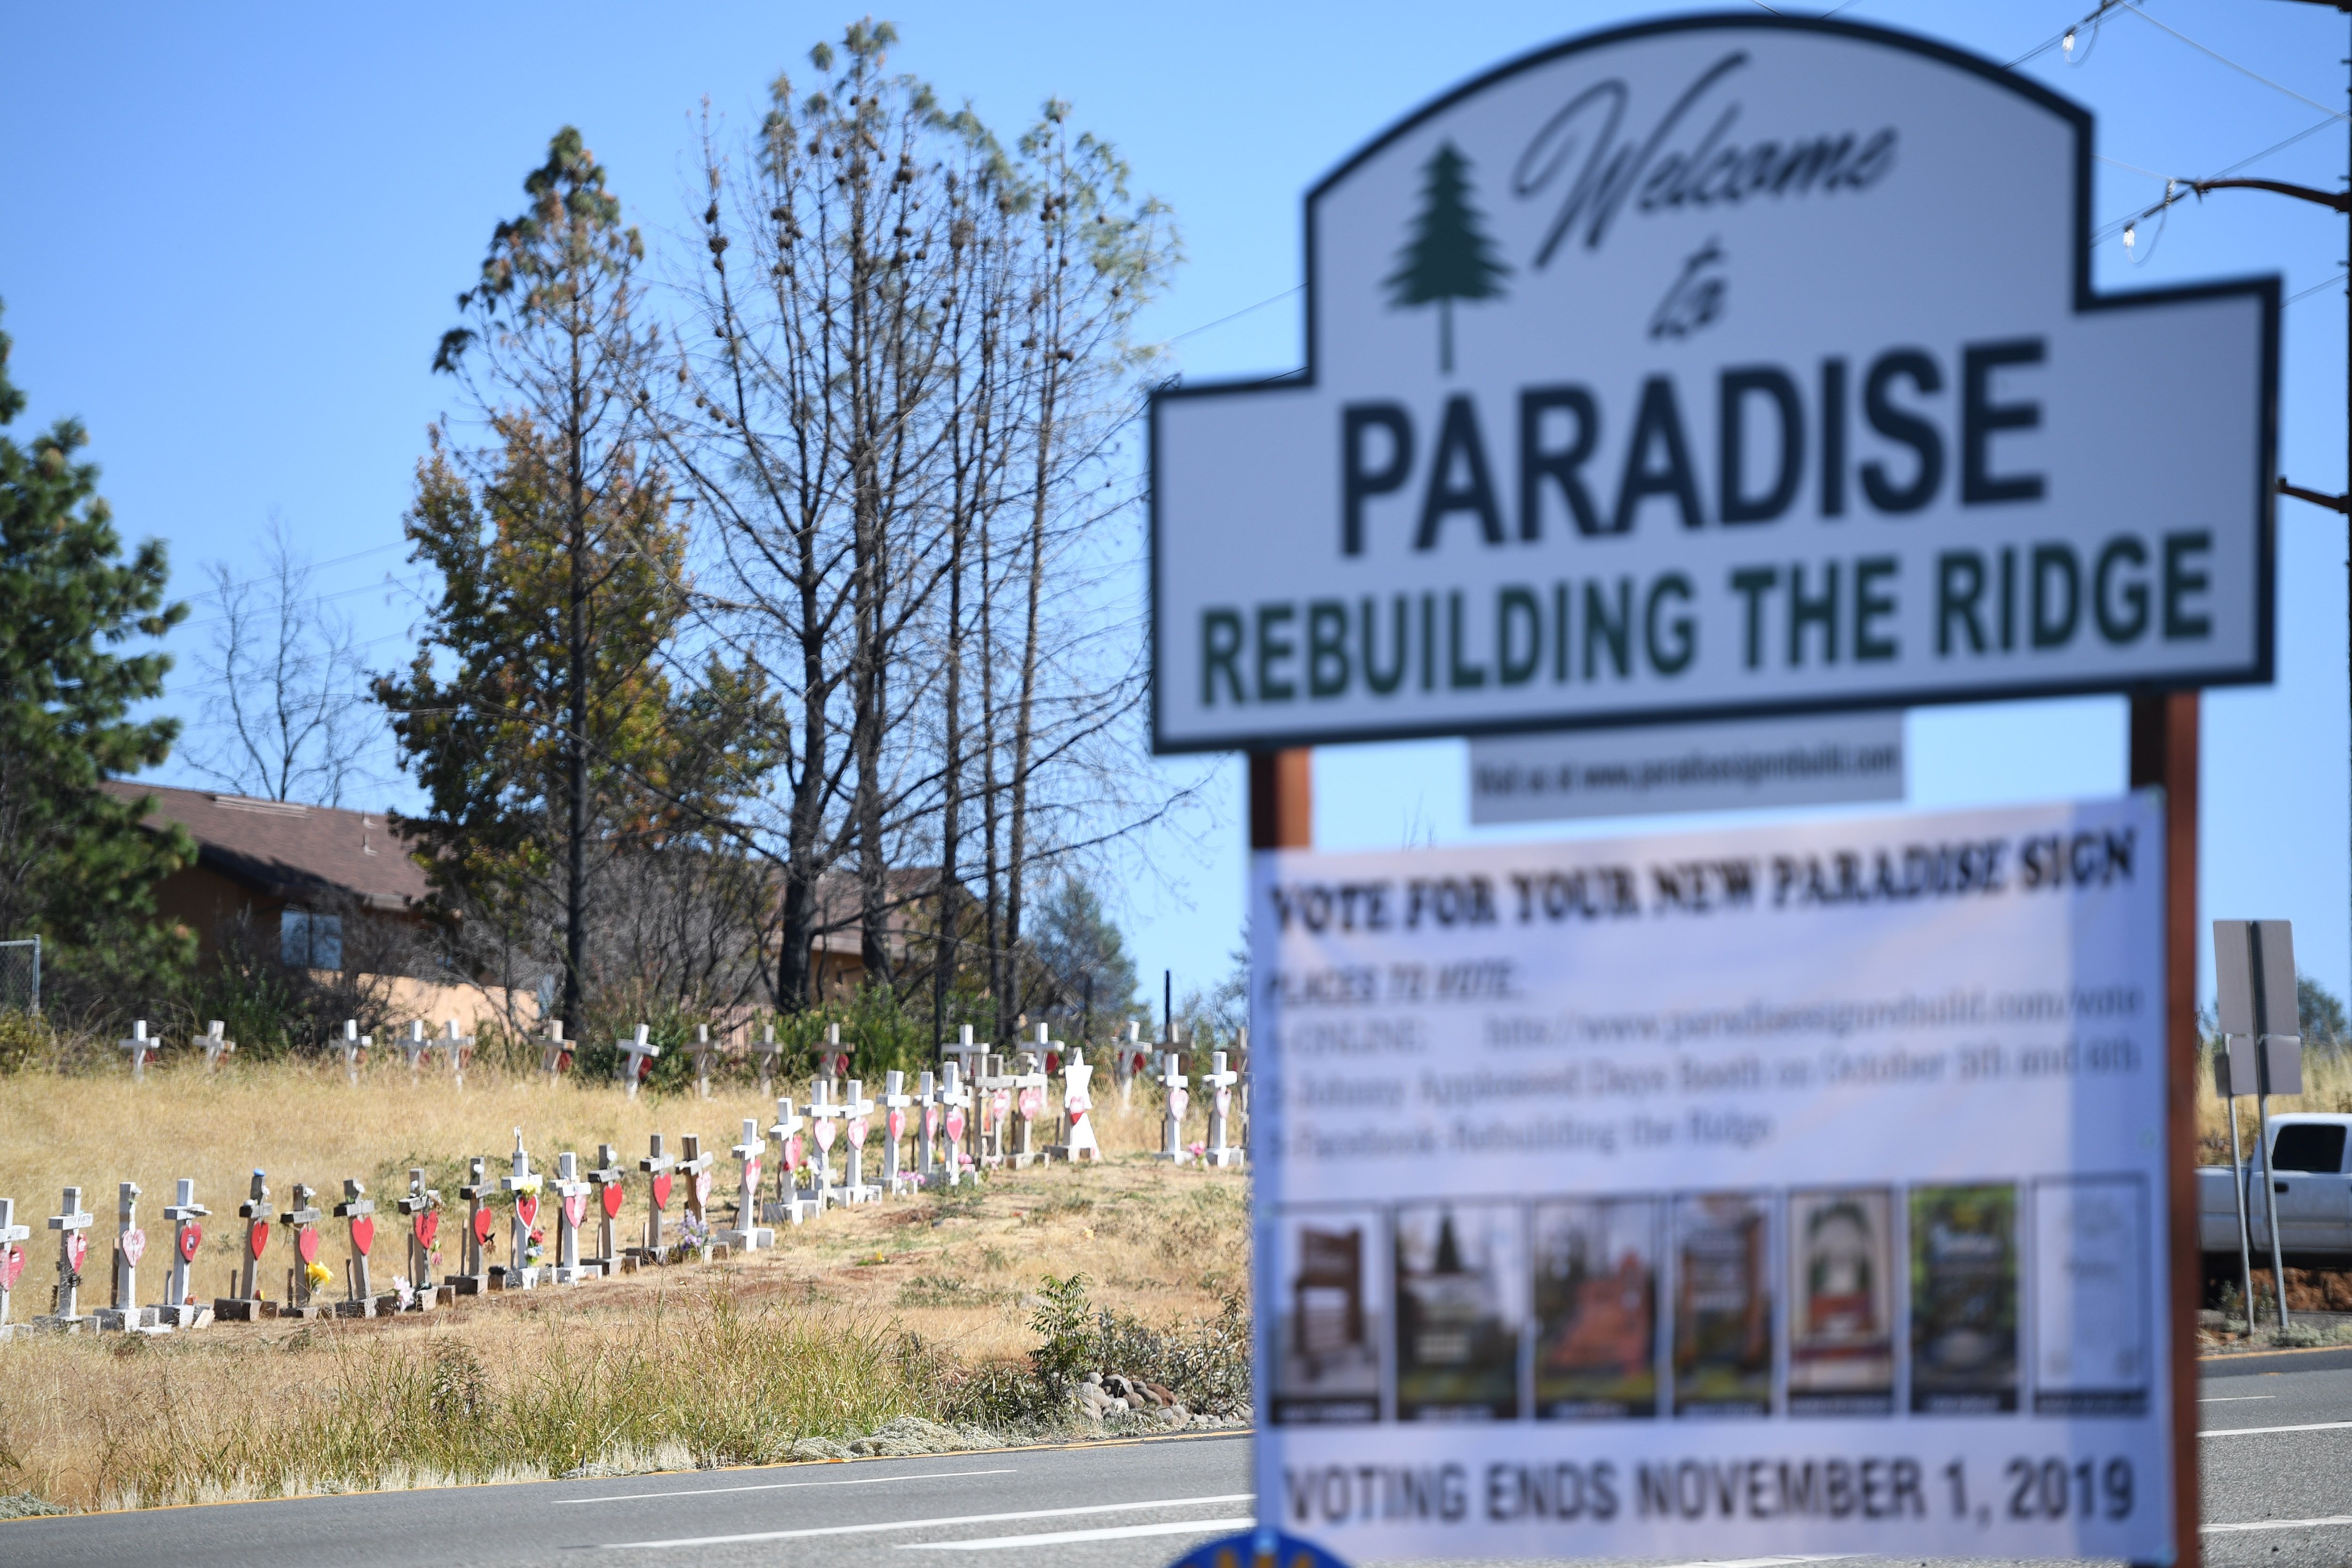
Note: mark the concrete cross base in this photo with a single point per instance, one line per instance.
(859, 1195)
(49, 1323)
(127, 1320)
(562, 1276)
(504, 1278)
(10, 1330)
(1222, 1158)
(1022, 1161)
(1181, 1157)
(186, 1315)
(355, 1308)
(787, 1211)
(243, 1309)
(307, 1313)
(747, 1241)
(465, 1284)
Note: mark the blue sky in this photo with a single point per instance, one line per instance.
(232, 241)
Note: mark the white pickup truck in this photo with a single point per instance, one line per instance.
(2313, 1188)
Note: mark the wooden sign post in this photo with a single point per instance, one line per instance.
(421, 1207)
(140, 1048)
(473, 1276)
(179, 1306)
(358, 1211)
(302, 1224)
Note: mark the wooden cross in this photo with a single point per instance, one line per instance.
(557, 1056)
(129, 1245)
(747, 1232)
(657, 1166)
(359, 1209)
(255, 1212)
(702, 1061)
(1077, 1098)
(141, 1047)
(1219, 1081)
(607, 1178)
(695, 1165)
(637, 1054)
(824, 1114)
(459, 1050)
(836, 1060)
(1171, 1133)
(415, 1045)
(894, 1102)
(855, 1111)
(354, 1044)
(472, 1276)
(522, 1183)
(966, 1053)
(570, 1208)
(301, 1222)
(786, 1134)
(421, 1207)
(187, 1218)
(216, 1045)
(927, 1116)
(12, 1259)
(952, 1098)
(73, 1246)
(764, 1053)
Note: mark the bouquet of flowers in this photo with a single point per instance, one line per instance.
(316, 1274)
(534, 1250)
(404, 1292)
(692, 1236)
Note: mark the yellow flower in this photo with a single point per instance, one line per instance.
(316, 1273)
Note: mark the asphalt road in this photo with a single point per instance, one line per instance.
(2277, 1491)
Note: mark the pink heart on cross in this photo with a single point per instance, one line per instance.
(1033, 1100)
(931, 1120)
(192, 1235)
(858, 1133)
(306, 1242)
(363, 1234)
(77, 1248)
(575, 1205)
(751, 1175)
(527, 1208)
(661, 1189)
(426, 1226)
(256, 1238)
(134, 1246)
(824, 1134)
(612, 1198)
(794, 1151)
(12, 1264)
(955, 1125)
(898, 1124)
(1003, 1103)
(701, 1188)
(1177, 1101)
(1224, 1100)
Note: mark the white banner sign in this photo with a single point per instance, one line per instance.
(1712, 367)
(1797, 1191)
(1819, 759)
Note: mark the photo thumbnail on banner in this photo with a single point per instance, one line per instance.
(1794, 1190)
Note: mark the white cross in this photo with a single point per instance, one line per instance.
(765, 1054)
(952, 1097)
(11, 1233)
(182, 1211)
(966, 1053)
(836, 1065)
(1172, 1136)
(702, 1059)
(140, 1047)
(521, 1182)
(927, 1102)
(354, 1044)
(747, 1232)
(634, 1054)
(458, 1048)
(1124, 1067)
(654, 1164)
(1032, 1076)
(298, 1219)
(1219, 1081)
(826, 1112)
(568, 1187)
(356, 1206)
(414, 1047)
(421, 1199)
(787, 1123)
(66, 1224)
(855, 1111)
(895, 1098)
(607, 1174)
(254, 1211)
(129, 1245)
(216, 1046)
(555, 1058)
(476, 1189)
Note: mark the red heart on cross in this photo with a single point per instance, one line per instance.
(427, 1225)
(857, 1133)
(363, 1234)
(527, 1208)
(1078, 1114)
(256, 1238)
(77, 1248)
(841, 1065)
(12, 1264)
(612, 1199)
(1053, 1061)
(134, 1247)
(701, 1188)
(794, 1151)
(485, 1221)
(955, 1125)
(574, 1205)
(824, 1134)
(897, 1124)
(661, 1189)
(306, 1242)
(192, 1235)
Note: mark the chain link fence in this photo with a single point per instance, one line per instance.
(20, 975)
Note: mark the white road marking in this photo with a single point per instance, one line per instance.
(1760, 1561)
(927, 1523)
(782, 1486)
(2233, 1398)
(2249, 1431)
(2328, 1524)
(1066, 1537)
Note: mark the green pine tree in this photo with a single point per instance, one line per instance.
(75, 866)
(1450, 256)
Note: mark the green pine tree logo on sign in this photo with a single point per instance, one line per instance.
(1450, 256)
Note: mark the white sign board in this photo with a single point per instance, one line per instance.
(1710, 367)
(1816, 759)
(1788, 1191)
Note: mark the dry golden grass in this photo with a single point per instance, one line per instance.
(2327, 1085)
(853, 1318)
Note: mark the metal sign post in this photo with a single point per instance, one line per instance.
(2253, 965)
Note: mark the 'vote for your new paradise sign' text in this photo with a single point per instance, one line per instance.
(1713, 367)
